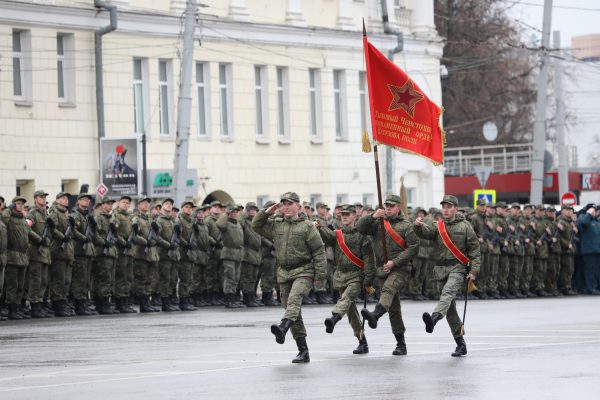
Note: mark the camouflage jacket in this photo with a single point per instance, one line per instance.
(566, 235)
(232, 236)
(124, 223)
(462, 235)
(3, 243)
(330, 223)
(185, 222)
(140, 241)
(37, 222)
(167, 225)
(252, 241)
(213, 231)
(478, 223)
(346, 271)
(298, 246)
(79, 238)
(402, 258)
(201, 250)
(104, 247)
(60, 216)
(541, 248)
(18, 236)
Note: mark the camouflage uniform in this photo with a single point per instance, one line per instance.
(169, 256)
(419, 271)
(62, 254)
(567, 254)
(213, 268)
(540, 259)
(84, 257)
(200, 255)
(232, 253)
(478, 223)
(506, 251)
(103, 269)
(186, 263)
(145, 259)
(3, 250)
(529, 246)
(251, 259)
(124, 264)
(553, 268)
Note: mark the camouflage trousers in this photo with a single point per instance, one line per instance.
(503, 271)
(346, 305)
(552, 272)
(164, 277)
(451, 281)
(526, 274)
(199, 279)
(324, 286)
(2, 268)
(186, 278)
(174, 278)
(14, 281)
(539, 274)
(248, 277)
(142, 277)
(430, 285)
(491, 281)
(515, 270)
(103, 276)
(57, 280)
(566, 271)
(37, 282)
(267, 274)
(231, 276)
(483, 270)
(80, 284)
(390, 299)
(213, 275)
(123, 276)
(292, 293)
(415, 286)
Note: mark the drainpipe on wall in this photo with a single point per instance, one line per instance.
(99, 79)
(399, 47)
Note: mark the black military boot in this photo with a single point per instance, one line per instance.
(166, 304)
(186, 305)
(145, 306)
(60, 308)
(267, 299)
(363, 347)
(156, 300)
(400, 349)
(461, 347)
(36, 311)
(126, 307)
(302, 356)
(13, 312)
(230, 301)
(256, 300)
(248, 301)
(431, 320)
(280, 330)
(330, 322)
(373, 317)
(80, 308)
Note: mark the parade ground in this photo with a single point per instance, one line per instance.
(518, 349)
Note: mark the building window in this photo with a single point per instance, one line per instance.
(367, 199)
(140, 94)
(362, 91)
(341, 198)
(203, 91)
(339, 104)
(261, 200)
(21, 47)
(65, 67)
(164, 96)
(260, 99)
(282, 105)
(315, 108)
(225, 100)
(314, 199)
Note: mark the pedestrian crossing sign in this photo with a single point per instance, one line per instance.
(488, 194)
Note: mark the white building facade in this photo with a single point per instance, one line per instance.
(279, 100)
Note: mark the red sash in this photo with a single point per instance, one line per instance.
(394, 235)
(344, 247)
(450, 245)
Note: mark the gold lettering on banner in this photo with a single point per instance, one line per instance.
(401, 128)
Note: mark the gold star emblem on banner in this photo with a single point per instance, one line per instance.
(404, 97)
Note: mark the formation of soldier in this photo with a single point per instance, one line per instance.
(107, 258)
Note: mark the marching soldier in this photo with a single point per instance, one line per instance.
(354, 271)
(39, 254)
(252, 256)
(168, 252)
(302, 262)
(567, 233)
(84, 235)
(232, 253)
(402, 247)
(458, 262)
(325, 220)
(62, 254)
(186, 264)
(103, 271)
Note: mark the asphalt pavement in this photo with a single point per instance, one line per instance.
(518, 349)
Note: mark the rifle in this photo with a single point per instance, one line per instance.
(45, 233)
(175, 239)
(90, 231)
(111, 237)
(68, 233)
(132, 235)
(193, 242)
(151, 239)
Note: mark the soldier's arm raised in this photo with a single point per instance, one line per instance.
(262, 225)
(367, 225)
(327, 235)
(424, 230)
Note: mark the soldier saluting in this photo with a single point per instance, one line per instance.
(302, 262)
(458, 251)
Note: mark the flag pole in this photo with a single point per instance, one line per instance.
(376, 158)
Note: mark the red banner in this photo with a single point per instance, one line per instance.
(402, 116)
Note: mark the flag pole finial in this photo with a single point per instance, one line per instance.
(364, 28)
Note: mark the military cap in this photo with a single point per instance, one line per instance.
(321, 204)
(436, 211)
(106, 200)
(527, 206)
(251, 205)
(97, 204)
(231, 207)
(566, 207)
(348, 208)
(19, 198)
(38, 193)
(143, 199)
(175, 209)
(190, 203)
(491, 205)
(540, 207)
(501, 204)
(368, 207)
(358, 204)
(125, 197)
(515, 205)
(268, 204)
(204, 207)
(482, 202)
(419, 209)
(239, 207)
(157, 205)
(550, 208)
(290, 196)
(62, 194)
(337, 206)
(82, 195)
(216, 203)
(392, 199)
(168, 200)
(461, 209)
(449, 199)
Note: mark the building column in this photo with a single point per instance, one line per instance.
(293, 15)
(238, 10)
(177, 6)
(422, 23)
(344, 19)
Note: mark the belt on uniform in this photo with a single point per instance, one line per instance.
(447, 263)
